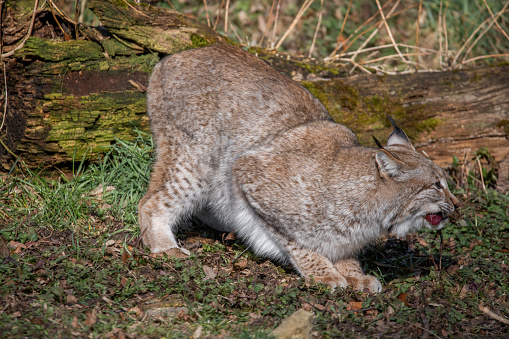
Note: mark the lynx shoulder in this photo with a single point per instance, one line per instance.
(245, 149)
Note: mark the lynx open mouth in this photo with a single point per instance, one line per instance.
(435, 219)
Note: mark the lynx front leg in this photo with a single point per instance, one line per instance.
(174, 193)
(310, 263)
(352, 271)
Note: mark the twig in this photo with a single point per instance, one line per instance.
(446, 40)
(485, 57)
(480, 174)
(375, 25)
(316, 30)
(440, 34)
(29, 33)
(486, 310)
(7, 149)
(495, 20)
(62, 14)
(417, 24)
(432, 51)
(226, 16)
(355, 65)
(58, 22)
(275, 24)
(218, 14)
(342, 28)
(76, 11)
(480, 35)
(392, 57)
(267, 25)
(134, 8)
(206, 12)
(389, 30)
(375, 32)
(6, 94)
(333, 54)
(299, 15)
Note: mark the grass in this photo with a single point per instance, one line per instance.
(72, 265)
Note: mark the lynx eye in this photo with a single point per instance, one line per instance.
(438, 185)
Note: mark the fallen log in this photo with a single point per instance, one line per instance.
(72, 98)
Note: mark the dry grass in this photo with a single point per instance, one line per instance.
(375, 36)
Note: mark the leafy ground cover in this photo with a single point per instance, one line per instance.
(72, 265)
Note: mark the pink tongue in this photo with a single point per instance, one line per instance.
(434, 219)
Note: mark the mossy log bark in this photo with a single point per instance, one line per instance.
(69, 99)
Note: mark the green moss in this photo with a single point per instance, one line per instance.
(367, 115)
(88, 124)
(75, 50)
(198, 41)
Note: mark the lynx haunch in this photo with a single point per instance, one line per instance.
(245, 149)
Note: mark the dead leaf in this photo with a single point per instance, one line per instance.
(210, 273)
(197, 332)
(307, 306)
(37, 321)
(422, 242)
(91, 318)
(16, 246)
(231, 236)
(354, 306)
(125, 256)
(402, 297)
(110, 242)
(240, 264)
(74, 323)
(123, 281)
(71, 299)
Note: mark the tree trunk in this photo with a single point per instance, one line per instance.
(69, 99)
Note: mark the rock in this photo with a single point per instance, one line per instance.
(296, 326)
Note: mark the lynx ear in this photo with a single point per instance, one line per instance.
(388, 165)
(398, 137)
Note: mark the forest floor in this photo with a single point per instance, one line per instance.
(72, 265)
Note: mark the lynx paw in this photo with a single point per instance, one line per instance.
(332, 281)
(176, 252)
(365, 283)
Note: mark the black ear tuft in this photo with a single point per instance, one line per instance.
(377, 142)
(398, 137)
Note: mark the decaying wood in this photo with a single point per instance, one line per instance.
(69, 99)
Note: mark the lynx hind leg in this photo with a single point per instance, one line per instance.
(174, 193)
(352, 271)
(310, 263)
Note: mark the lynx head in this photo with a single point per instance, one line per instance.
(418, 183)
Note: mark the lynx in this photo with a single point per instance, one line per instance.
(245, 149)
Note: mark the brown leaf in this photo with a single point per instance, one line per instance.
(307, 306)
(74, 323)
(71, 299)
(402, 298)
(37, 321)
(15, 244)
(354, 306)
(240, 264)
(91, 318)
(231, 236)
(210, 273)
(125, 256)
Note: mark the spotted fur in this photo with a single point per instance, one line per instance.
(245, 149)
